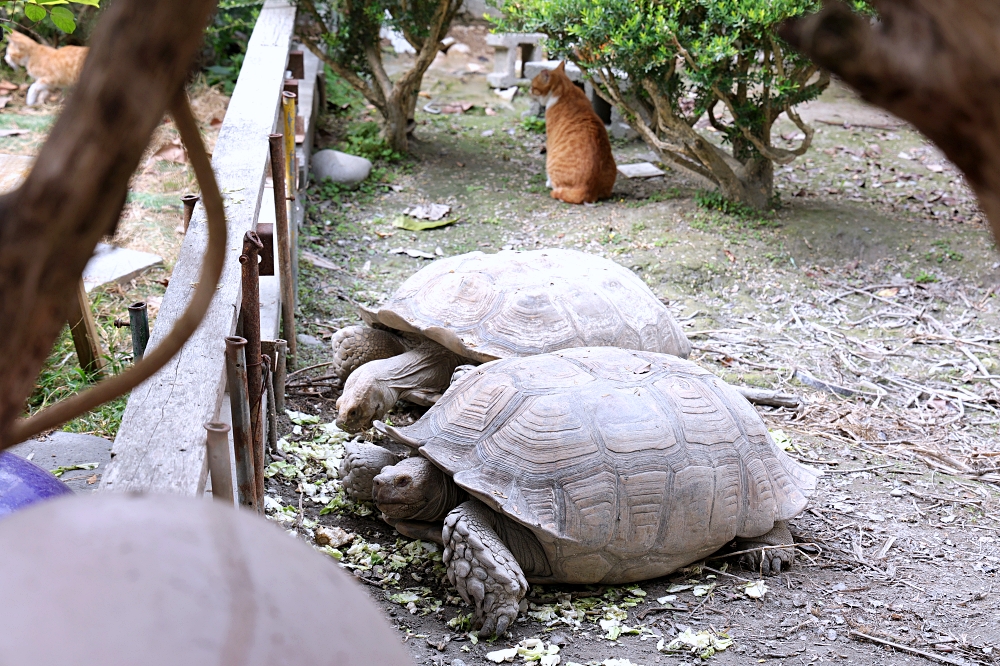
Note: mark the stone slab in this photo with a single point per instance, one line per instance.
(65, 449)
(535, 67)
(116, 264)
(640, 170)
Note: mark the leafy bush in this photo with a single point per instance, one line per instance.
(533, 124)
(346, 35)
(47, 20)
(226, 39)
(667, 64)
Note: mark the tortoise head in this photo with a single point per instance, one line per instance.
(365, 398)
(415, 489)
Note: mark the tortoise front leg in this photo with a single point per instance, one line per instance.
(353, 346)
(482, 567)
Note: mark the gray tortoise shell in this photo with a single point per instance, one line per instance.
(626, 465)
(508, 304)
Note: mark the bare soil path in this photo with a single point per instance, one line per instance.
(876, 276)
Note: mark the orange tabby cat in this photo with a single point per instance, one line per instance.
(578, 153)
(51, 68)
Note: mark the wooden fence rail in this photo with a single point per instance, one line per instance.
(161, 445)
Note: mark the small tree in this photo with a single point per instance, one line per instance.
(667, 63)
(345, 34)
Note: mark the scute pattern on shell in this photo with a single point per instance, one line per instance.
(626, 465)
(490, 306)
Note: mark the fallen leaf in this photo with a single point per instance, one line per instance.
(318, 261)
(936, 168)
(403, 222)
(666, 600)
(335, 537)
(490, 112)
(416, 254)
(702, 590)
(13, 132)
(91, 480)
(7, 86)
(500, 656)
(887, 293)
(755, 590)
(172, 151)
(428, 211)
(4, 100)
(730, 256)
(385, 234)
(59, 471)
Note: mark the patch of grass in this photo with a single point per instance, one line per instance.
(656, 197)
(713, 200)
(341, 97)
(941, 251)
(533, 124)
(364, 138)
(923, 277)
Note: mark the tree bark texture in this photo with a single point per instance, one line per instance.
(140, 56)
(934, 63)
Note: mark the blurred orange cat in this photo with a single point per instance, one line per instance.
(580, 166)
(51, 68)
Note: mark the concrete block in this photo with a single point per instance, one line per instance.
(116, 264)
(65, 449)
(508, 49)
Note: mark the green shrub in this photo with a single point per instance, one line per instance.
(666, 64)
(226, 41)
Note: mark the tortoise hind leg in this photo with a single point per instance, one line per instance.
(772, 557)
(353, 346)
(482, 567)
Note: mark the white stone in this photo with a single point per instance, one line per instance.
(340, 167)
(640, 170)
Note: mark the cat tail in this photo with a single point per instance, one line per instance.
(573, 195)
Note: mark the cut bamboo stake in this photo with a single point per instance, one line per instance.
(272, 412)
(218, 461)
(288, 101)
(236, 375)
(84, 330)
(284, 245)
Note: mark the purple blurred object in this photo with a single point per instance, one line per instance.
(22, 482)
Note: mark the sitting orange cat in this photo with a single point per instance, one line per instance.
(51, 68)
(578, 152)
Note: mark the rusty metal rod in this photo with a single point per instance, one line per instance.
(218, 461)
(250, 314)
(189, 200)
(138, 315)
(272, 412)
(239, 403)
(280, 373)
(284, 244)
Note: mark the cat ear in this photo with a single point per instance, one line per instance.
(561, 67)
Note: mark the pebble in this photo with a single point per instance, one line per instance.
(897, 492)
(831, 635)
(339, 167)
(306, 339)
(457, 662)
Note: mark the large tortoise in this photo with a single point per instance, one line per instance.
(477, 307)
(591, 465)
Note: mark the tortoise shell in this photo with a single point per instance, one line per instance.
(509, 304)
(626, 465)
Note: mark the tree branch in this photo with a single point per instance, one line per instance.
(934, 63)
(49, 226)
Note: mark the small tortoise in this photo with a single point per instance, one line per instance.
(588, 465)
(477, 307)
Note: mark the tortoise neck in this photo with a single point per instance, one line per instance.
(441, 504)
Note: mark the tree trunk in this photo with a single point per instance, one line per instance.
(935, 63)
(757, 183)
(73, 196)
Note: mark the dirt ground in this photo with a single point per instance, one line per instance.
(876, 277)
